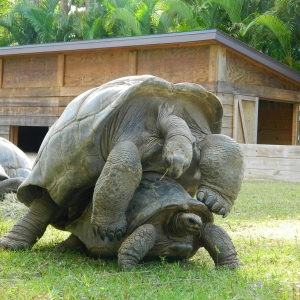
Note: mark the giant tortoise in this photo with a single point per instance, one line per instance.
(163, 220)
(15, 166)
(107, 136)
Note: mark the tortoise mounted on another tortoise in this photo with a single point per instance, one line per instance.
(107, 136)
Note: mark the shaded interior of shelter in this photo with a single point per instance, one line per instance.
(30, 138)
(275, 123)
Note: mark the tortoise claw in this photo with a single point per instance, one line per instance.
(200, 196)
(111, 236)
(102, 234)
(209, 200)
(222, 211)
(95, 229)
(119, 235)
(216, 207)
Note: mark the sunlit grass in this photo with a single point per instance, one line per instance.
(264, 225)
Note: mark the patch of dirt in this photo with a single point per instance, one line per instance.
(270, 229)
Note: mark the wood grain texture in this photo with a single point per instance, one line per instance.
(217, 63)
(258, 91)
(29, 92)
(1, 72)
(29, 111)
(272, 162)
(96, 68)
(227, 131)
(226, 99)
(29, 101)
(4, 129)
(30, 71)
(73, 91)
(175, 64)
(64, 101)
(14, 134)
(27, 121)
(243, 71)
(271, 151)
(60, 70)
(5, 136)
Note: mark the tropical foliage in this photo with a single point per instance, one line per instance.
(270, 26)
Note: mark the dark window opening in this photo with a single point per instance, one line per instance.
(275, 123)
(30, 137)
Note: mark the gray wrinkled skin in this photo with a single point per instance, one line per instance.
(15, 166)
(106, 138)
(163, 220)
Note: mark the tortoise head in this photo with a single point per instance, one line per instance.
(222, 172)
(182, 224)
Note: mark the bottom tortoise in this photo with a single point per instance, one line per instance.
(163, 220)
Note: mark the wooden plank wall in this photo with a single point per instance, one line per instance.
(35, 89)
(272, 162)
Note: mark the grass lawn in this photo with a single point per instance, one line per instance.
(264, 225)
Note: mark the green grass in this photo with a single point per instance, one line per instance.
(264, 225)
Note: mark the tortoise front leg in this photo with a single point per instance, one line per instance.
(136, 246)
(178, 147)
(114, 189)
(32, 225)
(220, 247)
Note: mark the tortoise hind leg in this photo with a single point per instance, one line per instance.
(114, 189)
(71, 244)
(220, 247)
(136, 246)
(32, 225)
(10, 185)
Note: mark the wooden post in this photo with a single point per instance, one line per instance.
(1, 72)
(13, 135)
(60, 69)
(133, 62)
(296, 124)
(217, 63)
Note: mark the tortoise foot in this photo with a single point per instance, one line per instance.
(111, 227)
(232, 263)
(13, 244)
(214, 201)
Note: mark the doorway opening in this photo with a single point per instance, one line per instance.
(30, 138)
(275, 123)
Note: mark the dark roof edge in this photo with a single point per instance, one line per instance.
(158, 39)
(144, 40)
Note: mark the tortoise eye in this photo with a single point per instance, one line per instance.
(191, 221)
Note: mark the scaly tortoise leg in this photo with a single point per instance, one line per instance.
(32, 225)
(220, 247)
(71, 244)
(178, 147)
(136, 246)
(10, 185)
(114, 189)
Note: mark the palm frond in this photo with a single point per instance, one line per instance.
(127, 18)
(232, 7)
(278, 28)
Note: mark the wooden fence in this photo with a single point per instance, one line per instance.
(272, 162)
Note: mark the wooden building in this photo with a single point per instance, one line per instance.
(260, 95)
